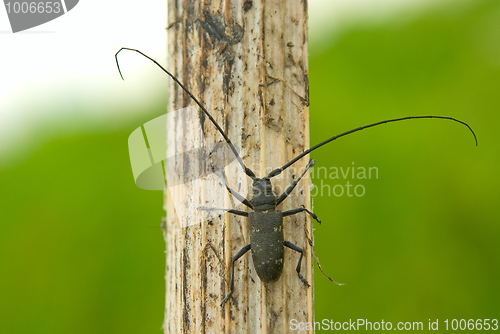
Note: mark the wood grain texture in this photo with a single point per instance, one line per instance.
(246, 61)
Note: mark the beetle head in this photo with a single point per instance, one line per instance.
(263, 196)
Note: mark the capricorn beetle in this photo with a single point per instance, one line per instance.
(266, 222)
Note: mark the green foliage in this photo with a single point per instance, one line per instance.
(81, 248)
(422, 243)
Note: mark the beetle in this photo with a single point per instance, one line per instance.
(266, 221)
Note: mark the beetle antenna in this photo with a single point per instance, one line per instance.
(288, 164)
(247, 170)
(317, 259)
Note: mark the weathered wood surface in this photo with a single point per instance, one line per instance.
(247, 63)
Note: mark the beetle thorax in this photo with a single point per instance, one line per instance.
(263, 197)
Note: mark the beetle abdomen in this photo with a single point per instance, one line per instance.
(266, 238)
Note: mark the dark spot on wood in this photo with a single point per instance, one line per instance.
(244, 136)
(223, 35)
(271, 102)
(185, 288)
(247, 5)
(205, 82)
(203, 305)
(306, 98)
(171, 25)
(227, 84)
(202, 118)
(290, 44)
(273, 319)
(237, 33)
(223, 271)
(215, 27)
(270, 80)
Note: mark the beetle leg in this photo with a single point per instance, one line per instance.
(236, 212)
(239, 197)
(294, 211)
(236, 257)
(298, 249)
(233, 192)
(290, 188)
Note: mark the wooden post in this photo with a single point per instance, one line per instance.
(246, 61)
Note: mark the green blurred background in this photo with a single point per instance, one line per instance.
(81, 250)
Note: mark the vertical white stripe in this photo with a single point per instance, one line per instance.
(64, 6)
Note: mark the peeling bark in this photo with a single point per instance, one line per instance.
(246, 61)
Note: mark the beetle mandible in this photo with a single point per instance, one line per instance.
(266, 222)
